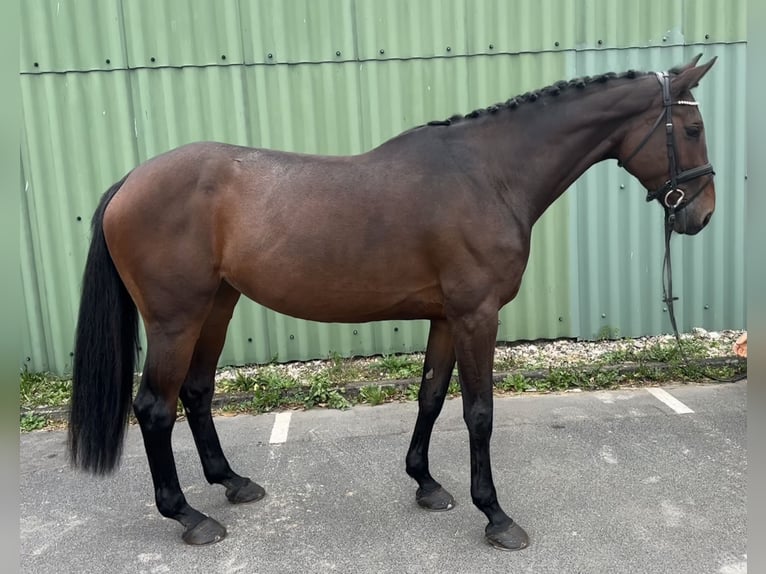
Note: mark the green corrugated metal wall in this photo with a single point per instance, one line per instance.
(107, 84)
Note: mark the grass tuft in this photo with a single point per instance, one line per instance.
(43, 389)
(32, 422)
(375, 394)
(397, 367)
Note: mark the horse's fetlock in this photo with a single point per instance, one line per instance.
(416, 466)
(169, 503)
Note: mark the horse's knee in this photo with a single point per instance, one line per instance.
(478, 419)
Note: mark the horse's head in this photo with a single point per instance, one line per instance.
(664, 147)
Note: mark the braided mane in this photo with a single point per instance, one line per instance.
(549, 91)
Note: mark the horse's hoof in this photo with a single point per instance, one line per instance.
(511, 537)
(207, 531)
(438, 500)
(246, 491)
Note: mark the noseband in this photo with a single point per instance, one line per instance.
(676, 177)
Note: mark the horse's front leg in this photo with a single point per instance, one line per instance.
(475, 334)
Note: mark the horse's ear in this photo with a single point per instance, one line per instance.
(689, 77)
(689, 66)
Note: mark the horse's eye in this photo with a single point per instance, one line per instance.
(693, 131)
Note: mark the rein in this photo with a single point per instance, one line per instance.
(667, 298)
(672, 208)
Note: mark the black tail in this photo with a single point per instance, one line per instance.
(104, 357)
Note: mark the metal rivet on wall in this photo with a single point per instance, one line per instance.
(108, 61)
(707, 36)
(223, 56)
(707, 306)
(79, 218)
(600, 42)
(356, 332)
(556, 44)
(37, 65)
(382, 51)
(337, 53)
(603, 315)
(491, 46)
(449, 48)
(269, 56)
(292, 337)
(249, 339)
(152, 59)
(396, 329)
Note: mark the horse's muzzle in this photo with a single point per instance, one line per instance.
(685, 225)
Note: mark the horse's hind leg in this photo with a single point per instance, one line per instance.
(437, 371)
(197, 395)
(170, 346)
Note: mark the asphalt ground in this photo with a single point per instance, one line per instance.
(606, 482)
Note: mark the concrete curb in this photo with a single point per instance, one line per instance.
(351, 390)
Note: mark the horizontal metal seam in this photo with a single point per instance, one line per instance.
(367, 60)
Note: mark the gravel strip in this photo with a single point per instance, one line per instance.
(519, 355)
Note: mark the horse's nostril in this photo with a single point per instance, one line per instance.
(707, 219)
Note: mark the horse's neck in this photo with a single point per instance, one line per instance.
(548, 145)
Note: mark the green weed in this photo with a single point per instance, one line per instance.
(562, 379)
(268, 389)
(43, 389)
(32, 422)
(341, 370)
(411, 392)
(241, 383)
(516, 382)
(602, 379)
(375, 394)
(321, 392)
(657, 352)
(618, 356)
(398, 367)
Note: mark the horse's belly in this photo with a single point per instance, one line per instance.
(340, 299)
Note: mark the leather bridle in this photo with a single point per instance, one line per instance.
(677, 177)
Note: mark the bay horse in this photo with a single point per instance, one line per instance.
(433, 224)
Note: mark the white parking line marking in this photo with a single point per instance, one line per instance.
(281, 426)
(670, 400)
